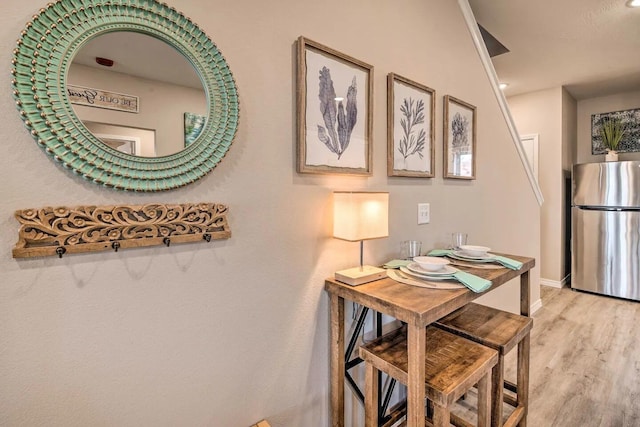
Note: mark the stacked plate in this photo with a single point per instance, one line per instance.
(473, 254)
(414, 270)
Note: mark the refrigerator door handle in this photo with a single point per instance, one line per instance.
(607, 208)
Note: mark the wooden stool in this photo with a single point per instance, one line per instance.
(501, 331)
(452, 366)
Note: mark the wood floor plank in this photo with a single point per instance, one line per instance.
(585, 362)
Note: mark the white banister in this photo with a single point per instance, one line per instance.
(493, 79)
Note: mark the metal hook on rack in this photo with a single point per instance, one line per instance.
(166, 241)
(60, 251)
(115, 246)
(207, 237)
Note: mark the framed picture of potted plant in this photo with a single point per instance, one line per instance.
(617, 131)
(334, 111)
(459, 139)
(410, 128)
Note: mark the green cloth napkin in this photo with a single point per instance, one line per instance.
(440, 252)
(397, 263)
(508, 262)
(502, 260)
(473, 282)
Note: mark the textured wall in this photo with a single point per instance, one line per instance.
(226, 333)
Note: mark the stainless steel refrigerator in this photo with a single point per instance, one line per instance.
(605, 235)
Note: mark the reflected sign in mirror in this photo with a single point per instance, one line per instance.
(43, 66)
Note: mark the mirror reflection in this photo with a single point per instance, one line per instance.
(137, 94)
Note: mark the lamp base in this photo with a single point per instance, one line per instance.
(357, 276)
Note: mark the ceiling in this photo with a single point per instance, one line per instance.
(140, 55)
(591, 47)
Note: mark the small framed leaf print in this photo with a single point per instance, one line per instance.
(459, 139)
(410, 128)
(334, 106)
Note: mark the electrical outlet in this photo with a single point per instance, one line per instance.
(424, 213)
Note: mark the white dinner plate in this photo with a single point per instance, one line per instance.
(409, 280)
(446, 270)
(408, 272)
(465, 257)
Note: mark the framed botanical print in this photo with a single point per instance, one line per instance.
(459, 139)
(410, 128)
(335, 107)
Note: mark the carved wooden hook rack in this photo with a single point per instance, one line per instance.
(62, 230)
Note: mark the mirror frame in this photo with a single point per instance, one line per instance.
(42, 59)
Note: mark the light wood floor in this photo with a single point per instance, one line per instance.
(585, 362)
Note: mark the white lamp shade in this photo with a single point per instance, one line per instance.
(360, 215)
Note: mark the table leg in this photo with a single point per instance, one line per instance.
(523, 350)
(416, 348)
(336, 316)
(525, 294)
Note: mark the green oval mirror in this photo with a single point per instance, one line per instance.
(43, 58)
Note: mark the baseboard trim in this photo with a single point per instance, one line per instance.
(536, 306)
(550, 283)
(554, 283)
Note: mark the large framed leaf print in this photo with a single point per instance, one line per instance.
(334, 106)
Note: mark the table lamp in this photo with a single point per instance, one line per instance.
(360, 216)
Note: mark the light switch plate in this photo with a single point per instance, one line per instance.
(424, 213)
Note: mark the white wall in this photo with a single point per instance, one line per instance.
(540, 113)
(226, 333)
(603, 104)
(569, 130)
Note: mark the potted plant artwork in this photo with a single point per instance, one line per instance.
(612, 131)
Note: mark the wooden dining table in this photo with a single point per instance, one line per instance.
(417, 307)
